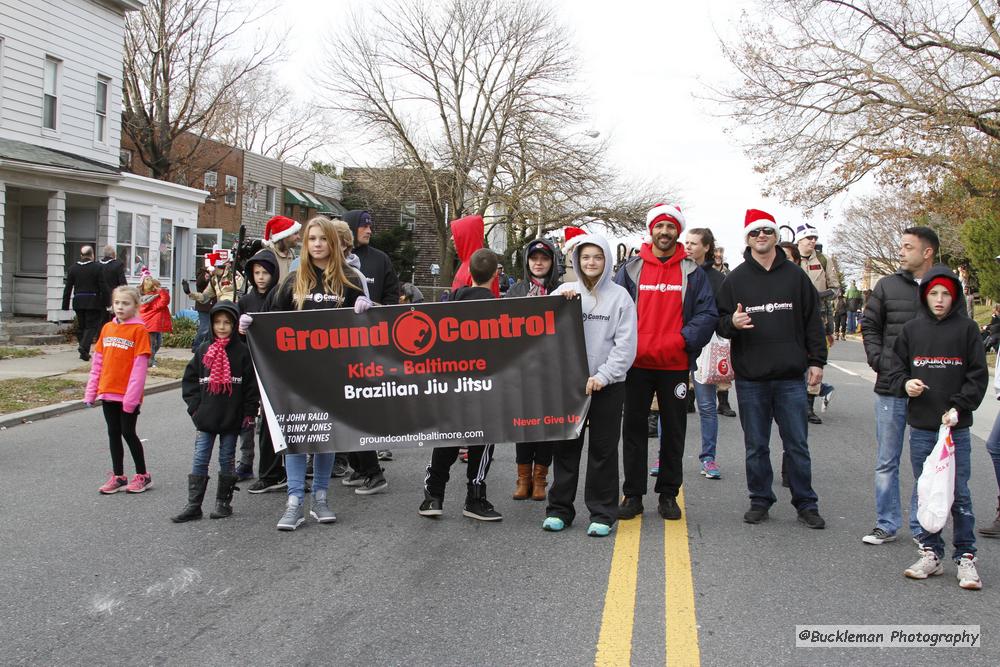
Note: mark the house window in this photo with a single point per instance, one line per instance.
(101, 110)
(133, 241)
(250, 196)
(408, 215)
(166, 247)
(125, 159)
(231, 184)
(33, 240)
(211, 180)
(81, 230)
(272, 200)
(50, 97)
(290, 211)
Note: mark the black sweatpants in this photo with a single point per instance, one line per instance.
(600, 487)
(442, 458)
(671, 389)
(533, 452)
(122, 425)
(270, 466)
(365, 462)
(89, 322)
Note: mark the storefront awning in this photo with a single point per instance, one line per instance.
(295, 197)
(314, 202)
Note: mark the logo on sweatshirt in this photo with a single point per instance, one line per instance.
(768, 308)
(936, 362)
(660, 287)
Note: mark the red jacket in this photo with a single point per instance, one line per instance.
(660, 307)
(468, 234)
(156, 313)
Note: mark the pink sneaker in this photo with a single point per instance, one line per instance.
(114, 484)
(139, 483)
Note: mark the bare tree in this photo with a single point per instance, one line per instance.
(834, 90)
(869, 235)
(178, 67)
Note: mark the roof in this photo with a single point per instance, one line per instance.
(30, 154)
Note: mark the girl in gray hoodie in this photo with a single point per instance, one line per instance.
(609, 330)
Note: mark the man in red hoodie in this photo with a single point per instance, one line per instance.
(677, 315)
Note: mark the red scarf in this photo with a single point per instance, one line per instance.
(220, 378)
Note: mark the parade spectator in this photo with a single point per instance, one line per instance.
(840, 318)
(118, 379)
(938, 360)
(203, 308)
(541, 277)
(892, 303)
(609, 331)
(483, 270)
(823, 273)
(993, 447)
(321, 281)
(409, 293)
(155, 312)
(283, 235)
(676, 316)
(84, 281)
(770, 310)
(991, 331)
(699, 244)
(112, 276)
(854, 304)
(223, 284)
(220, 390)
(968, 289)
(719, 261)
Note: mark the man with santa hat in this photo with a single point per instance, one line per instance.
(283, 235)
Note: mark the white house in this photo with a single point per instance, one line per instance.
(60, 182)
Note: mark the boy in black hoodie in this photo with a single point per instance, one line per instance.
(483, 267)
(940, 363)
(220, 389)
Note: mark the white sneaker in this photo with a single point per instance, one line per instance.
(929, 565)
(878, 536)
(968, 576)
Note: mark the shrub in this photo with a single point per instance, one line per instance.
(183, 333)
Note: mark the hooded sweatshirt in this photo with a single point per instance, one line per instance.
(253, 301)
(375, 265)
(468, 234)
(947, 354)
(609, 318)
(551, 280)
(787, 335)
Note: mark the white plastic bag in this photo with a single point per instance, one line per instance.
(714, 364)
(936, 486)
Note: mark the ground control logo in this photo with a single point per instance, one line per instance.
(414, 333)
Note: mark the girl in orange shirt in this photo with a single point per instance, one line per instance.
(118, 378)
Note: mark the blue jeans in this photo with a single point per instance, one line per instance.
(203, 443)
(852, 321)
(295, 468)
(784, 402)
(993, 447)
(890, 426)
(155, 340)
(708, 415)
(204, 323)
(963, 537)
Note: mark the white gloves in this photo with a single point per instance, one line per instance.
(362, 304)
(245, 322)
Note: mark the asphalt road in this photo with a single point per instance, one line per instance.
(110, 580)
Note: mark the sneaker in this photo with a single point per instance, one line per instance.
(553, 524)
(968, 576)
(339, 469)
(630, 508)
(371, 485)
(710, 469)
(320, 510)
(655, 470)
(811, 518)
(481, 509)
(114, 484)
(598, 530)
(354, 479)
(244, 472)
(826, 400)
(384, 455)
(929, 565)
(668, 508)
(267, 485)
(814, 418)
(293, 516)
(139, 483)
(878, 536)
(755, 515)
(432, 506)
(463, 454)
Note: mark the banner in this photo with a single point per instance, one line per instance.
(425, 375)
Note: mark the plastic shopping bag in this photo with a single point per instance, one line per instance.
(936, 486)
(714, 365)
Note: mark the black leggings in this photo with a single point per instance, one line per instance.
(534, 452)
(122, 425)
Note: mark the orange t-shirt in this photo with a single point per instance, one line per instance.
(120, 344)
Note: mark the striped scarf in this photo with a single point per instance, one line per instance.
(220, 378)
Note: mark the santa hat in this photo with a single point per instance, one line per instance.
(569, 235)
(145, 272)
(668, 212)
(279, 227)
(214, 259)
(756, 219)
(805, 230)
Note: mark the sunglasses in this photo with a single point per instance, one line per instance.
(766, 231)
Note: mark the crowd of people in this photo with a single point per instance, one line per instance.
(645, 324)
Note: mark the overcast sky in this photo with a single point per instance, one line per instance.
(644, 64)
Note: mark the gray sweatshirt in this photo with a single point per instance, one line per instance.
(609, 318)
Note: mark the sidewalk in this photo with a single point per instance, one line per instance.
(64, 361)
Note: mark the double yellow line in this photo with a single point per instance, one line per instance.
(614, 645)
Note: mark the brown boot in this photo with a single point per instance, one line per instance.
(993, 530)
(523, 488)
(539, 482)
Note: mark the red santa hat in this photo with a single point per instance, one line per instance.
(214, 259)
(668, 212)
(570, 232)
(756, 219)
(279, 227)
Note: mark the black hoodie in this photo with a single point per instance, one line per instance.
(383, 284)
(787, 335)
(221, 413)
(522, 287)
(947, 354)
(253, 301)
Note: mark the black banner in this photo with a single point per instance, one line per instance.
(427, 375)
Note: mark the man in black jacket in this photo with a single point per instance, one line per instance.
(84, 282)
(893, 303)
(112, 276)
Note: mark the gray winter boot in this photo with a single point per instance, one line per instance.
(320, 510)
(293, 516)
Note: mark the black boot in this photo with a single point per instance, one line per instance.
(224, 496)
(813, 417)
(724, 409)
(476, 505)
(690, 401)
(196, 494)
(994, 529)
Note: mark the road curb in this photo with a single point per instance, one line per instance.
(36, 414)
